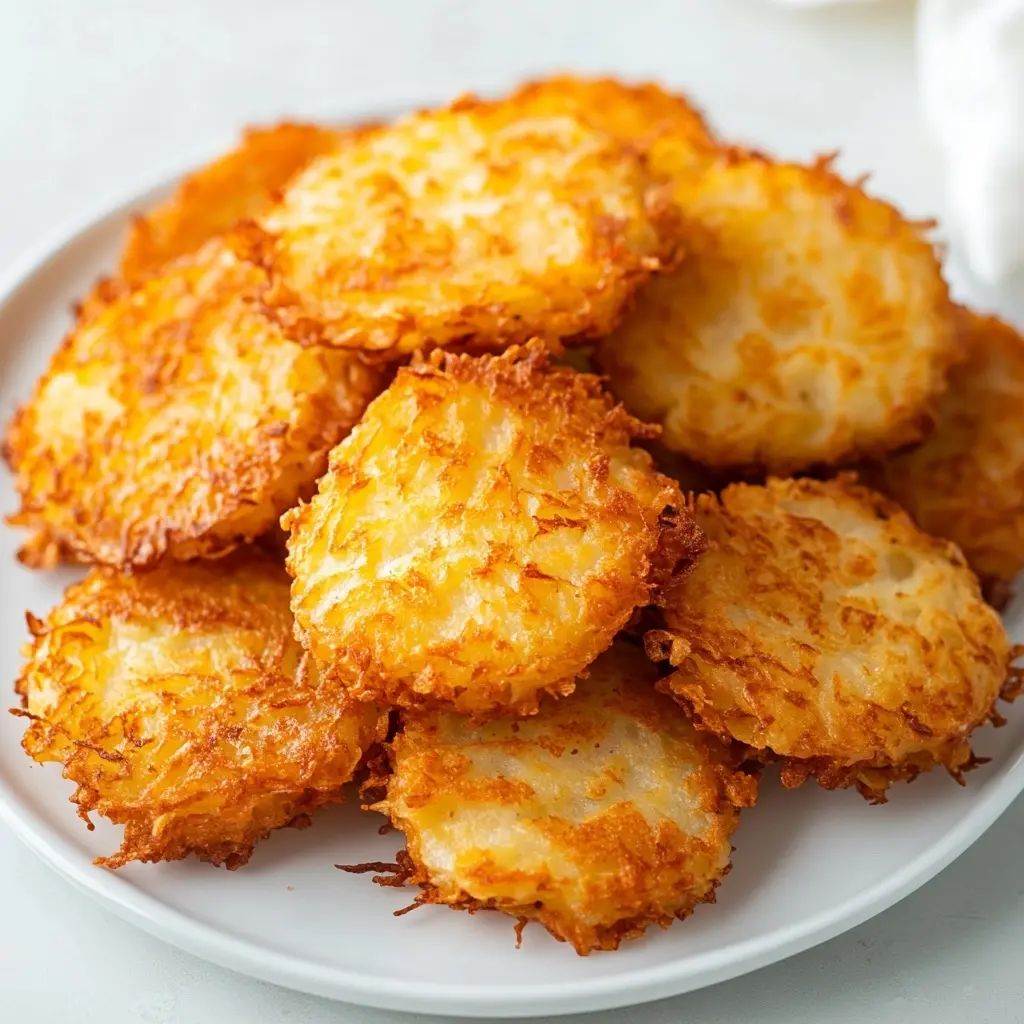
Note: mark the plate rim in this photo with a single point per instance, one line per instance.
(164, 922)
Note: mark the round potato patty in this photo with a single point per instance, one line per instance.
(807, 324)
(823, 628)
(481, 536)
(181, 707)
(179, 422)
(605, 813)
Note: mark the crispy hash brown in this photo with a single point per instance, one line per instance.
(481, 536)
(181, 707)
(472, 225)
(824, 628)
(809, 322)
(179, 421)
(603, 814)
(966, 482)
(241, 184)
(667, 127)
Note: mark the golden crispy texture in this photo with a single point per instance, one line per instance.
(823, 627)
(178, 422)
(241, 184)
(603, 814)
(181, 707)
(481, 536)
(668, 128)
(808, 324)
(691, 476)
(966, 482)
(472, 225)
(106, 291)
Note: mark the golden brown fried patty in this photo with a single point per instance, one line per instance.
(663, 124)
(809, 323)
(178, 422)
(473, 225)
(823, 627)
(966, 482)
(604, 813)
(181, 707)
(242, 183)
(481, 536)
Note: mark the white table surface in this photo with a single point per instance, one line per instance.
(97, 95)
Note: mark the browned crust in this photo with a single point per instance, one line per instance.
(662, 338)
(242, 183)
(480, 314)
(220, 759)
(779, 689)
(564, 416)
(966, 481)
(585, 939)
(167, 475)
(640, 113)
(424, 768)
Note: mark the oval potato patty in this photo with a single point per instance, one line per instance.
(475, 225)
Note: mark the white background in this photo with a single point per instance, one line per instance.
(99, 96)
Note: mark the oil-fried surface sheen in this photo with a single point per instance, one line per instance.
(808, 323)
(603, 814)
(966, 482)
(482, 535)
(242, 183)
(179, 421)
(823, 627)
(474, 225)
(181, 706)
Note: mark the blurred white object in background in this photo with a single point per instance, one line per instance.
(970, 56)
(971, 70)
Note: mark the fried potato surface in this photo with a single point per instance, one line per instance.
(481, 536)
(106, 291)
(824, 628)
(668, 127)
(241, 184)
(178, 422)
(181, 707)
(472, 225)
(809, 323)
(603, 814)
(966, 482)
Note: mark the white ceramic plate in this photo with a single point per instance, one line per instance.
(808, 864)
